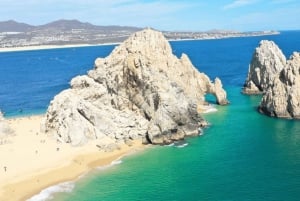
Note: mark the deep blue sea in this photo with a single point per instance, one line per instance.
(242, 156)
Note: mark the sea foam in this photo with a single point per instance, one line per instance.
(116, 162)
(47, 193)
(113, 163)
(182, 145)
(210, 109)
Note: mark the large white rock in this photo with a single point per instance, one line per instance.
(141, 90)
(277, 78)
(267, 61)
(282, 99)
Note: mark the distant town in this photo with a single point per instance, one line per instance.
(73, 32)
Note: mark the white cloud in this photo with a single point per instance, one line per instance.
(238, 3)
(279, 19)
(283, 1)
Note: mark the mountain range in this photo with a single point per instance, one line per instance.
(63, 25)
(71, 32)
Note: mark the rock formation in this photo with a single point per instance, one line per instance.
(267, 61)
(277, 78)
(282, 99)
(5, 130)
(141, 90)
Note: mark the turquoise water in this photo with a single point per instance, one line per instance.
(242, 156)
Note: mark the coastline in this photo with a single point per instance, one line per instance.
(30, 169)
(45, 163)
(46, 47)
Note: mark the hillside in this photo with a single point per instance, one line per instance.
(71, 32)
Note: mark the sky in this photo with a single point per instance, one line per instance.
(167, 15)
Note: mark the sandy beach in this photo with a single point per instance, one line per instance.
(44, 47)
(31, 161)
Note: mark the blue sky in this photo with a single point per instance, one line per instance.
(180, 15)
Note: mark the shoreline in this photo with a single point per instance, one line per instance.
(48, 47)
(30, 169)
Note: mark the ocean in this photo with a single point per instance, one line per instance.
(242, 156)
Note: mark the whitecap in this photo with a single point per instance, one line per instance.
(115, 162)
(47, 193)
(210, 109)
(169, 145)
(182, 145)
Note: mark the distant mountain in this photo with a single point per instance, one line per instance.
(67, 25)
(13, 26)
(61, 25)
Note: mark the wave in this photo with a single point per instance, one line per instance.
(113, 163)
(182, 145)
(210, 109)
(169, 145)
(47, 193)
(116, 162)
(177, 144)
(65, 187)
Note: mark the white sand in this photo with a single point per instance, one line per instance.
(43, 47)
(31, 161)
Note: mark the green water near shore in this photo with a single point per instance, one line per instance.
(243, 155)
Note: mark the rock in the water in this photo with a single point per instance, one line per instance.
(282, 98)
(141, 90)
(277, 78)
(267, 61)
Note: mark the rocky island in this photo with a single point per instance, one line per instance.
(277, 78)
(141, 90)
(267, 61)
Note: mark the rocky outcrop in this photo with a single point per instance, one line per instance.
(141, 90)
(282, 98)
(267, 61)
(277, 78)
(5, 130)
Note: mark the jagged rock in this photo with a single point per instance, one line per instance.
(219, 92)
(109, 147)
(5, 130)
(141, 90)
(267, 61)
(282, 99)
